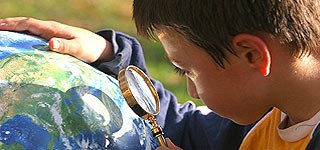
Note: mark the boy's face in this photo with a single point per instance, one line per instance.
(228, 92)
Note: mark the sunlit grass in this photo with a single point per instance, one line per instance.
(95, 15)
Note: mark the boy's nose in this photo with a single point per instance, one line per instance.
(192, 91)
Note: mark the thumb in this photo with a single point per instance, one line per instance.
(63, 45)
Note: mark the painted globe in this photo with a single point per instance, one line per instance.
(55, 101)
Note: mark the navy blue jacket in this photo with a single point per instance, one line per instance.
(186, 126)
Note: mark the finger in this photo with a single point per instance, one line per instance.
(171, 145)
(20, 24)
(162, 148)
(44, 29)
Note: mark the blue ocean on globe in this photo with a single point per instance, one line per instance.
(55, 101)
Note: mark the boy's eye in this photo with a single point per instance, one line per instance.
(180, 71)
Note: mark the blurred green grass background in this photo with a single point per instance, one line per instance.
(96, 15)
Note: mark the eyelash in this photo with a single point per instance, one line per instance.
(180, 71)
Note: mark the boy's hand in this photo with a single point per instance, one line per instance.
(62, 38)
(171, 146)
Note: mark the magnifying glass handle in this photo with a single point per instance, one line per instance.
(158, 134)
(161, 140)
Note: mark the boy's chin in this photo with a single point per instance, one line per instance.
(245, 121)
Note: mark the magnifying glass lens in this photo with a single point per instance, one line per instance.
(141, 91)
(142, 97)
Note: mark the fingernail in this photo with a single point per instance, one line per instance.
(3, 24)
(55, 44)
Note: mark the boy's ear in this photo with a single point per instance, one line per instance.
(254, 51)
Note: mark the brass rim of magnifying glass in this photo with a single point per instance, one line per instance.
(128, 96)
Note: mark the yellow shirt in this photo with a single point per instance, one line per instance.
(266, 134)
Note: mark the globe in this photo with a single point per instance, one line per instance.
(55, 101)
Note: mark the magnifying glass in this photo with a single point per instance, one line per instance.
(142, 97)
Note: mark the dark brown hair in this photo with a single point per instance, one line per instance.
(211, 24)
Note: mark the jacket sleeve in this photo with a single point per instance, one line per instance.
(187, 126)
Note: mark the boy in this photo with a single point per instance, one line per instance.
(255, 64)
